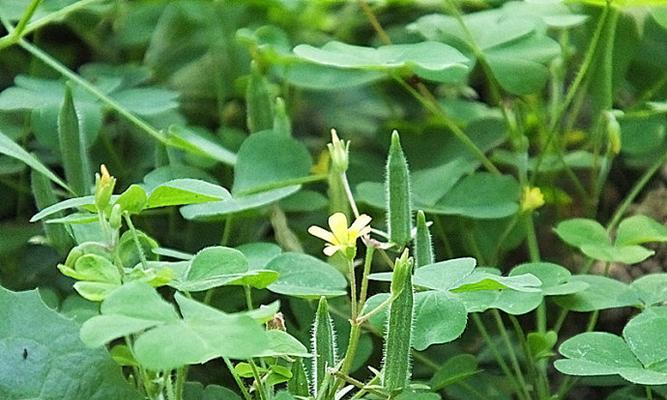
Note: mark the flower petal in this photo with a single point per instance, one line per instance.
(360, 223)
(331, 250)
(338, 225)
(322, 234)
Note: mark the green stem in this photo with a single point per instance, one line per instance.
(583, 70)
(353, 289)
(533, 366)
(227, 230)
(263, 395)
(13, 38)
(363, 293)
(135, 238)
(27, 14)
(372, 19)
(573, 89)
(113, 104)
(181, 376)
(237, 379)
(510, 350)
(248, 296)
(499, 358)
(436, 110)
(358, 384)
(649, 393)
(169, 386)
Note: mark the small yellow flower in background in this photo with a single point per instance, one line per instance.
(531, 198)
(321, 167)
(341, 238)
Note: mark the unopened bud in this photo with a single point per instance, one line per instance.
(104, 185)
(338, 149)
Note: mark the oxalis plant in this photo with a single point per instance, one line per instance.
(210, 257)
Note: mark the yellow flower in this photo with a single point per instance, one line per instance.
(531, 198)
(341, 238)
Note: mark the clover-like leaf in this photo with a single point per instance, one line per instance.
(602, 293)
(305, 276)
(592, 238)
(267, 160)
(33, 362)
(429, 60)
(480, 195)
(512, 46)
(639, 356)
(237, 204)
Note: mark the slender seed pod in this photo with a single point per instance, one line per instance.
(298, 385)
(42, 191)
(398, 337)
(398, 197)
(281, 121)
(324, 345)
(423, 245)
(258, 101)
(72, 147)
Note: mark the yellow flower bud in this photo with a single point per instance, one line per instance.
(104, 185)
(531, 198)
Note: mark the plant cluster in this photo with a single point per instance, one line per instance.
(448, 246)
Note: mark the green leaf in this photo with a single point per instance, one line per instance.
(268, 160)
(45, 196)
(121, 314)
(75, 202)
(480, 195)
(456, 369)
(11, 149)
(429, 60)
(438, 319)
(132, 200)
(602, 293)
(33, 362)
(645, 336)
(305, 276)
(199, 143)
(592, 239)
(541, 344)
(442, 275)
(259, 253)
(596, 353)
(72, 147)
(640, 359)
(236, 204)
(206, 333)
(185, 191)
(510, 43)
(212, 267)
(92, 267)
(322, 77)
(579, 232)
(623, 254)
(652, 288)
(640, 229)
